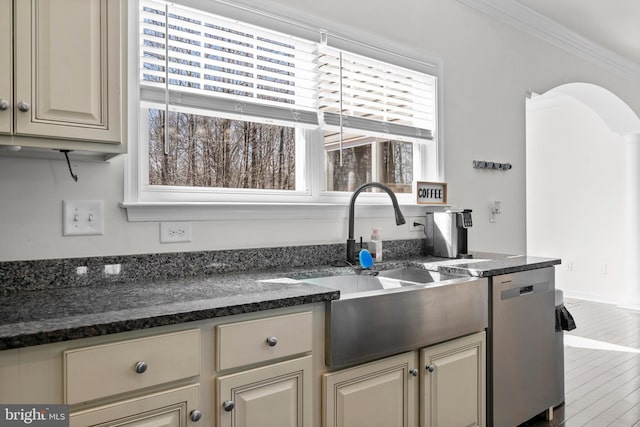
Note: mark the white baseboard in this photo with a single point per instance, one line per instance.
(591, 296)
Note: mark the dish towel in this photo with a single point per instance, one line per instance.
(564, 319)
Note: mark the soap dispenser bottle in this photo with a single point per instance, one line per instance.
(375, 246)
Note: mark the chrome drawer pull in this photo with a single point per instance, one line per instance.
(228, 405)
(272, 341)
(195, 415)
(141, 367)
(23, 106)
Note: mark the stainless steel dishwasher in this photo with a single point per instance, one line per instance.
(521, 345)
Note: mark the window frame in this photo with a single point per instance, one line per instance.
(154, 203)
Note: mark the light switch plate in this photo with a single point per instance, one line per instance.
(82, 217)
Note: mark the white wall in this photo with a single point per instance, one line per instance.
(488, 69)
(576, 198)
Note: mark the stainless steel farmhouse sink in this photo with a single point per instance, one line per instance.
(399, 310)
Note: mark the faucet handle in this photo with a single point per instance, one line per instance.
(351, 251)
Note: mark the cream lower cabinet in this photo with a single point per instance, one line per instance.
(277, 395)
(453, 383)
(109, 371)
(377, 394)
(446, 388)
(174, 408)
(254, 369)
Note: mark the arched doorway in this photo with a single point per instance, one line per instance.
(583, 190)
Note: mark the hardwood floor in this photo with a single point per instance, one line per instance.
(602, 368)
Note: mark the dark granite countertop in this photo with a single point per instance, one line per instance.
(485, 264)
(59, 313)
(52, 315)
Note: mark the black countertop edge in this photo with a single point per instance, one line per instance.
(112, 327)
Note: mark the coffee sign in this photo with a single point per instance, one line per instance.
(431, 193)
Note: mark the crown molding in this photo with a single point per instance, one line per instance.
(540, 26)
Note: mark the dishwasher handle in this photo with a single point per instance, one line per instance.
(521, 291)
(525, 290)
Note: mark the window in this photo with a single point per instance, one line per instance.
(366, 159)
(370, 97)
(231, 111)
(206, 151)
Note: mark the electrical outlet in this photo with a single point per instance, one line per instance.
(82, 217)
(174, 232)
(417, 220)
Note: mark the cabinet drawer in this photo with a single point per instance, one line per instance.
(104, 370)
(168, 408)
(244, 343)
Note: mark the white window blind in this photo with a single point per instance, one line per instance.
(375, 96)
(212, 63)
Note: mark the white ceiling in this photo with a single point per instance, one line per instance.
(614, 25)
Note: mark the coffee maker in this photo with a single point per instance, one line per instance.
(447, 233)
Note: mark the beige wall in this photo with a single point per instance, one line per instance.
(488, 68)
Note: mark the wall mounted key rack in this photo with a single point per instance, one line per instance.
(481, 164)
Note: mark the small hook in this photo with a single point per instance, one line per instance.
(66, 156)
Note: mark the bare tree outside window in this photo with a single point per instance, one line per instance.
(392, 163)
(355, 169)
(396, 165)
(208, 151)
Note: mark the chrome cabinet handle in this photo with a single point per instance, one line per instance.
(4, 104)
(195, 415)
(414, 372)
(141, 367)
(228, 405)
(431, 368)
(272, 341)
(23, 106)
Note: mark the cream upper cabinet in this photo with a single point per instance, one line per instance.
(6, 67)
(277, 395)
(67, 64)
(67, 87)
(377, 394)
(453, 383)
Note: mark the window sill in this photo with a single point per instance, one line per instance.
(195, 211)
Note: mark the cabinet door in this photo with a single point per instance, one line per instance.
(175, 408)
(68, 69)
(453, 383)
(277, 395)
(6, 66)
(377, 394)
